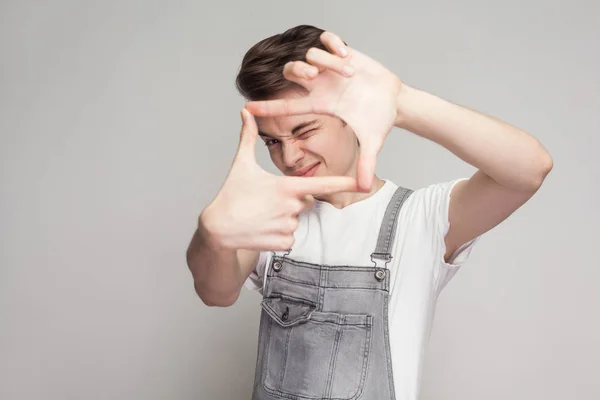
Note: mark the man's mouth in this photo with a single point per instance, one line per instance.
(308, 171)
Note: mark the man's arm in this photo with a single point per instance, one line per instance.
(218, 272)
(512, 164)
(371, 99)
(253, 210)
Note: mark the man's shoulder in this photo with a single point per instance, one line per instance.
(436, 188)
(431, 199)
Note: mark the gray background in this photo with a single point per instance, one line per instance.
(119, 121)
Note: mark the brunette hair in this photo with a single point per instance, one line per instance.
(261, 73)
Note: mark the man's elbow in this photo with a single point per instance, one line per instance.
(216, 300)
(221, 302)
(543, 163)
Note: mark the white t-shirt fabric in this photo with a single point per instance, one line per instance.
(418, 272)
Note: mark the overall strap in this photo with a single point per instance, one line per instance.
(382, 253)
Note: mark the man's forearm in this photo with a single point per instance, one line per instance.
(507, 154)
(215, 269)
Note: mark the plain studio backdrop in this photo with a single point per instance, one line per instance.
(119, 121)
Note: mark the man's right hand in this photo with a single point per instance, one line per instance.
(256, 210)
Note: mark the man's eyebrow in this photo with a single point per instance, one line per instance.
(303, 125)
(295, 130)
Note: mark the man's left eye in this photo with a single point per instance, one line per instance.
(312, 130)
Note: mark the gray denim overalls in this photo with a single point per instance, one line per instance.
(324, 328)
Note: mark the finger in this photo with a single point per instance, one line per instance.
(321, 185)
(301, 73)
(281, 226)
(270, 242)
(271, 108)
(335, 44)
(366, 168)
(323, 59)
(296, 106)
(308, 201)
(248, 135)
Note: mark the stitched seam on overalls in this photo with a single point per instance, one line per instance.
(266, 349)
(388, 357)
(322, 282)
(389, 242)
(278, 295)
(395, 221)
(332, 359)
(328, 266)
(337, 323)
(259, 376)
(332, 287)
(366, 358)
(383, 288)
(304, 283)
(383, 323)
(360, 389)
(286, 347)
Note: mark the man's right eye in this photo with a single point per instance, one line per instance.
(271, 142)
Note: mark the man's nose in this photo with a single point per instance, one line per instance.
(292, 153)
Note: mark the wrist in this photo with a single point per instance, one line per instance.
(404, 102)
(208, 230)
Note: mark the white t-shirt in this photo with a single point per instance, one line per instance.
(418, 273)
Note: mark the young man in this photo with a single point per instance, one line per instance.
(350, 266)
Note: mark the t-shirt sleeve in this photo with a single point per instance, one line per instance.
(439, 202)
(255, 280)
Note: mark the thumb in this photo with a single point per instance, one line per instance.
(366, 168)
(248, 135)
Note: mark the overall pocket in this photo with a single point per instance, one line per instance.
(312, 354)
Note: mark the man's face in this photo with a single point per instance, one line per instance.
(309, 144)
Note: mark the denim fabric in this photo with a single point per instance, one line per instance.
(324, 329)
